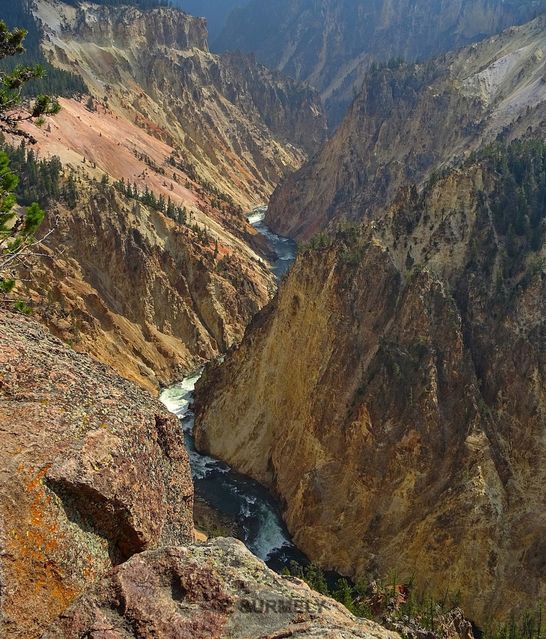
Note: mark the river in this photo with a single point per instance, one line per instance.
(241, 500)
(284, 247)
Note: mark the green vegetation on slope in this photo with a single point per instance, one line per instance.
(150, 199)
(518, 204)
(39, 180)
(18, 245)
(399, 607)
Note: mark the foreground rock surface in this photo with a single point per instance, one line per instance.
(210, 591)
(92, 470)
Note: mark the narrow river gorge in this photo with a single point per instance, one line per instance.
(248, 506)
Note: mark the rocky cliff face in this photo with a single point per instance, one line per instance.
(331, 43)
(290, 111)
(409, 121)
(92, 471)
(235, 122)
(131, 28)
(380, 395)
(149, 296)
(211, 591)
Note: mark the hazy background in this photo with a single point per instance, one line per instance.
(216, 12)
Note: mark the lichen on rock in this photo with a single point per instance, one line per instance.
(92, 470)
(217, 590)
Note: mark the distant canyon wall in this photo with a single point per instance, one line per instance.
(409, 121)
(331, 43)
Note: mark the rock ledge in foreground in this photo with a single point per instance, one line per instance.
(207, 591)
(92, 470)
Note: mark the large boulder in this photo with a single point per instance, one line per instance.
(92, 470)
(209, 591)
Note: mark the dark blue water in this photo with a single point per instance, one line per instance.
(242, 500)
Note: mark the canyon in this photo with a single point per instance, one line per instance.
(380, 399)
(212, 135)
(412, 120)
(332, 43)
(387, 389)
(239, 125)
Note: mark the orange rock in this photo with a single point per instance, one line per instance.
(92, 470)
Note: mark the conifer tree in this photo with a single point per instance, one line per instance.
(17, 225)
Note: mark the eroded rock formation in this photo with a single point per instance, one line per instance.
(332, 43)
(217, 590)
(148, 296)
(236, 123)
